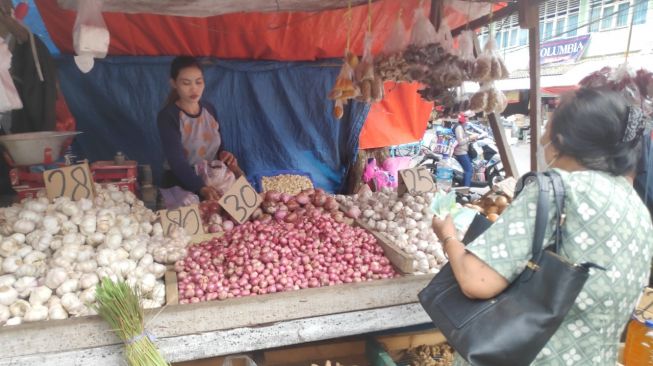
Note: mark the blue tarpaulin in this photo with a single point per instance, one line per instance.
(273, 115)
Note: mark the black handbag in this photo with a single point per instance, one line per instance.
(512, 328)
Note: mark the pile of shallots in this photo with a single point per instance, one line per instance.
(405, 220)
(302, 248)
(54, 254)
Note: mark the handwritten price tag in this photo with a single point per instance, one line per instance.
(415, 180)
(73, 181)
(241, 200)
(187, 217)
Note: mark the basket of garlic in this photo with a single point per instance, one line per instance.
(53, 254)
(405, 220)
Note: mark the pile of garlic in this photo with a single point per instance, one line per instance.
(53, 255)
(405, 220)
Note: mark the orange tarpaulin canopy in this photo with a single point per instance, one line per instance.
(289, 36)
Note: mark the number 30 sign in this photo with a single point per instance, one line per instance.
(241, 200)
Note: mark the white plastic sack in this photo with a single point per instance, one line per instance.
(216, 174)
(9, 98)
(90, 34)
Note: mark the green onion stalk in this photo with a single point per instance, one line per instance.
(120, 306)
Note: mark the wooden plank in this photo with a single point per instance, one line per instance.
(200, 345)
(505, 152)
(179, 320)
(535, 92)
(504, 12)
(206, 8)
(400, 342)
(400, 259)
(172, 290)
(314, 353)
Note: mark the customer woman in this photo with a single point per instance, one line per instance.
(190, 132)
(593, 143)
(461, 151)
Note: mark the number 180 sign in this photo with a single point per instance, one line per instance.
(241, 200)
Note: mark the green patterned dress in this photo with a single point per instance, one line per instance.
(607, 224)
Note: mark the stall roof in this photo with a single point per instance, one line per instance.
(284, 36)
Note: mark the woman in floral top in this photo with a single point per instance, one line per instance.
(593, 142)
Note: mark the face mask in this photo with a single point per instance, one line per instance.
(541, 159)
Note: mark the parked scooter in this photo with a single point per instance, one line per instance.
(488, 169)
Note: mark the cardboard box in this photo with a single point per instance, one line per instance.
(644, 308)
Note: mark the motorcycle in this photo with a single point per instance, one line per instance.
(487, 167)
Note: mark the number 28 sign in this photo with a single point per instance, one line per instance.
(241, 200)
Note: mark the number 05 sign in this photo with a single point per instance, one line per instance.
(241, 200)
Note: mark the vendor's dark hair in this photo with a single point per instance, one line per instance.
(589, 125)
(178, 64)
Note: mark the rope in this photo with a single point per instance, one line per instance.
(348, 16)
(369, 16)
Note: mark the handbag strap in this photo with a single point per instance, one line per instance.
(559, 194)
(541, 221)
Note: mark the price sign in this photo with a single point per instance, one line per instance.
(73, 181)
(241, 200)
(415, 180)
(187, 217)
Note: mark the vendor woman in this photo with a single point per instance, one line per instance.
(190, 132)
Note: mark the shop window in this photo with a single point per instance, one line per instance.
(622, 15)
(523, 37)
(572, 25)
(595, 16)
(639, 11)
(548, 30)
(560, 27)
(608, 17)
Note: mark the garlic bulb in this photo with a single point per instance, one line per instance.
(57, 312)
(40, 295)
(8, 295)
(24, 226)
(4, 314)
(55, 277)
(7, 280)
(36, 313)
(14, 321)
(69, 285)
(19, 308)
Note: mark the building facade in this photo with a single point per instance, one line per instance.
(577, 38)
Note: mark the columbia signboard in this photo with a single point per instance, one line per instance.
(563, 50)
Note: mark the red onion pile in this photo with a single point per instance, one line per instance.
(272, 255)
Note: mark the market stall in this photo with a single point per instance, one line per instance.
(329, 297)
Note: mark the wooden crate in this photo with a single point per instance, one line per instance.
(389, 350)
(400, 259)
(215, 361)
(348, 351)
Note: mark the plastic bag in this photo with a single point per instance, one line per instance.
(9, 98)
(446, 39)
(466, 45)
(369, 83)
(423, 31)
(216, 174)
(176, 197)
(229, 361)
(395, 164)
(490, 66)
(396, 43)
(90, 34)
(345, 88)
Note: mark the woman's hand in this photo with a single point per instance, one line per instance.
(444, 228)
(228, 158)
(232, 163)
(209, 193)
